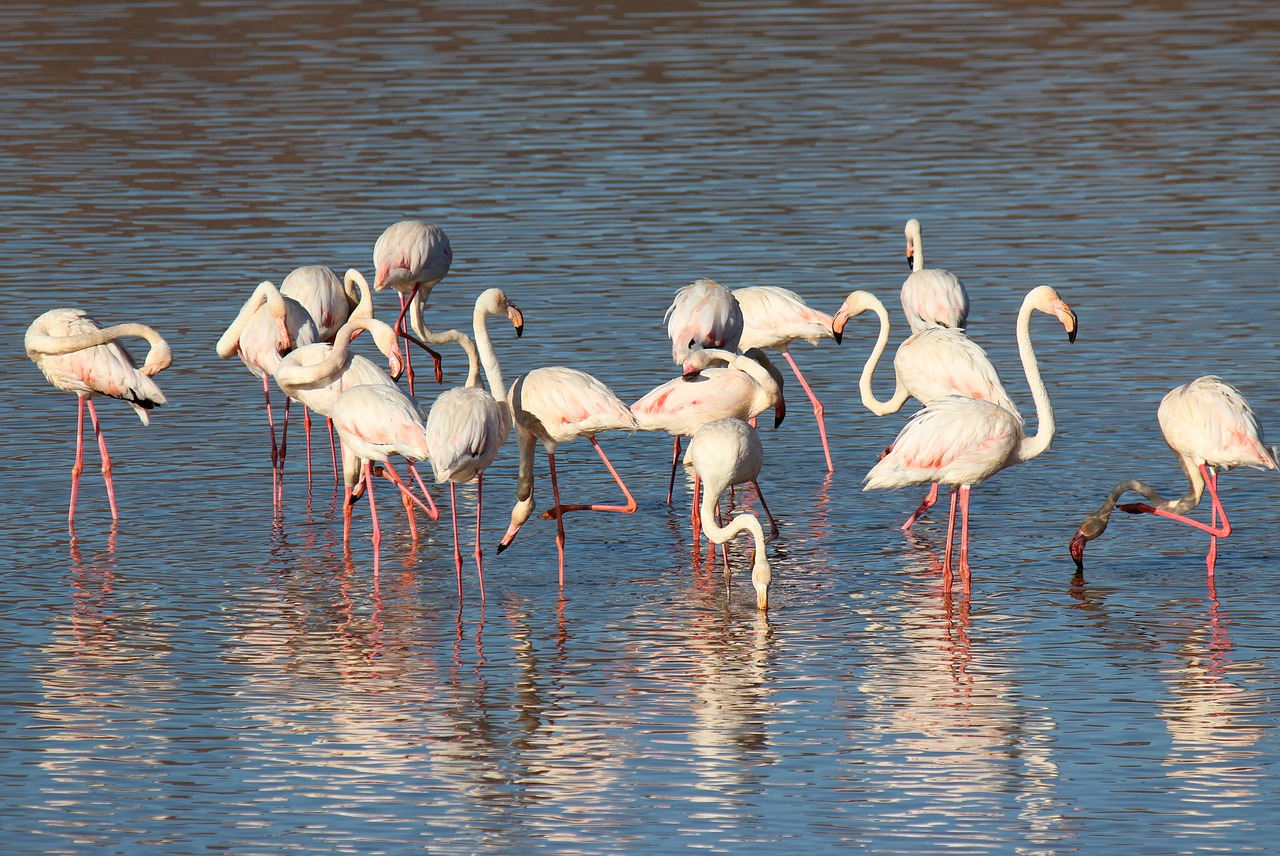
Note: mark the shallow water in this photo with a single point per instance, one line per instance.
(208, 676)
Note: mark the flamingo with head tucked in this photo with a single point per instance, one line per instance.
(704, 314)
(554, 405)
(931, 297)
(964, 441)
(776, 317)
(411, 256)
(1210, 427)
(78, 355)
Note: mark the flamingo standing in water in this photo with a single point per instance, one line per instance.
(964, 441)
(723, 453)
(775, 317)
(930, 363)
(1210, 427)
(268, 326)
(376, 421)
(411, 256)
(746, 387)
(467, 425)
(704, 314)
(931, 296)
(77, 354)
(553, 405)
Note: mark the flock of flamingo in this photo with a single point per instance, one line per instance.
(967, 430)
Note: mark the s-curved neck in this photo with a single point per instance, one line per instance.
(159, 357)
(761, 576)
(1039, 443)
(900, 394)
(266, 292)
(488, 356)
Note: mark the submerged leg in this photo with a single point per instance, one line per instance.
(675, 460)
(964, 537)
(928, 502)
(817, 409)
(78, 467)
(555, 493)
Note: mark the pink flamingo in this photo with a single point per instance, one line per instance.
(411, 256)
(376, 421)
(555, 405)
(931, 296)
(964, 441)
(78, 355)
(467, 425)
(268, 326)
(775, 317)
(723, 453)
(704, 314)
(745, 388)
(929, 364)
(1210, 427)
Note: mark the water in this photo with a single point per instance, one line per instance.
(207, 677)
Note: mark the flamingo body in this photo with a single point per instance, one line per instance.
(744, 389)
(704, 314)
(411, 253)
(376, 421)
(318, 290)
(938, 361)
(774, 317)
(931, 296)
(466, 427)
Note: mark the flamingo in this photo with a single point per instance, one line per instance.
(723, 453)
(554, 405)
(775, 317)
(963, 441)
(1210, 427)
(931, 296)
(929, 364)
(411, 256)
(77, 354)
(745, 388)
(268, 326)
(704, 314)
(467, 425)
(376, 421)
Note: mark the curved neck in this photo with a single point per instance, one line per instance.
(456, 337)
(869, 400)
(358, 293)
(1036, 445)
(488, 356)
(266, 292)
(159, 357)
(339, 355)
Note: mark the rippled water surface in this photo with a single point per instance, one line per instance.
(207, 676)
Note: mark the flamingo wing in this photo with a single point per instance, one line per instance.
(953, 440)
(1209, 421)
(558, 403)
(937, 361)
(935, 297)
(466, 427)
(774, 317)
(704, 314)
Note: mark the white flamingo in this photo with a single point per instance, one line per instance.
(931, 296)
(467, 425)
(723, 453)
(776, 317)
(962, 441)
(411, 256)
(704, 314)
(1210, 427)
(78, 355)
(554, 405)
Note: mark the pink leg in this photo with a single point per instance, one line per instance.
(479, 555)
(817, 409)
(630, 506)
(405, 496)
(284, 432)
(78, 467)
(675, 459)
(347, 501)
(457, 550)
(929, 501)
(964, 537)
(773, 524)
(401, 328)
(951, 531)
(1211, 481)
(106, 459)
(306, 427)
(271, 423)
(373, 514)
(555, 493)
(432, 512)
(333, 452)
(394, 478)
(696, 517)
(1217, 530)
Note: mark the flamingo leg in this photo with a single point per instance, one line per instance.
(432, 512)
(400, 328)
(817, 409)
(408, 498)
(951, 531)
(306, 428)
(78, 467)
(629, 508)
(1217, 530)
(333, 451)
(373, 514)
(964, 537)
(394, 478)
(457, 550)
(555, 492)
(106, 459)
(773, 524)
(284, 432)
(675, 459)
(348, 500)
(928, 502)
(271, 423)
(696, 517)
(479, 554)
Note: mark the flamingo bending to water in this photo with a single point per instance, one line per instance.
(467, 425)
(931, 296)
(78, 355)
(776, 317)
(553, 405)
(1210, 427)
(964, 441)
(723, 453)
(930, 363)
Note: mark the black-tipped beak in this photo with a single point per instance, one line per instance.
(779, 413)
(519, 331)
(1077, 550)
(838, 334)
(502, 545)
(1071, 335)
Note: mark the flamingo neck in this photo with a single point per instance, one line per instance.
(358, 294)
(488, 356)
(761, 575)
(1039, 443)
(869, 400)
(159, 356)
(266, 293)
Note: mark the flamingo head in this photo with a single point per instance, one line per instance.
(159, 358)
(1093, 526)
(1045, 299)
(912, 232)
(855, 304)
(517, 318)
(286, 341)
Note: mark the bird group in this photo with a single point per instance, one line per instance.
(968, 428)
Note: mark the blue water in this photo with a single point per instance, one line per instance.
(210, 676)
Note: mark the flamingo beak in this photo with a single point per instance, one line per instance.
(837, 325)
(395, 364)
(779, 412)
(1077, 549)
(517, 318)
(1067, 316)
